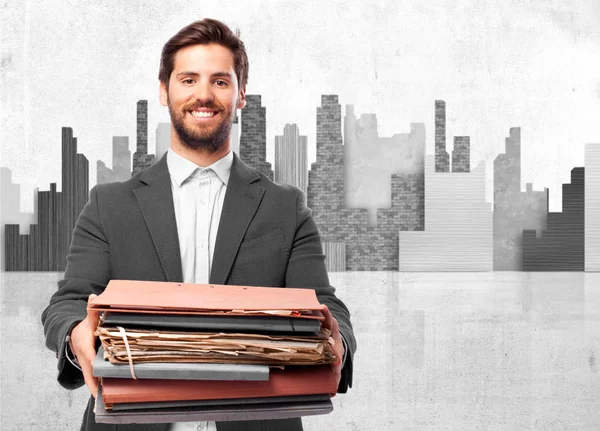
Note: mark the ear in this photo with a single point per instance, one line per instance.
(242, 98)
(164, 95)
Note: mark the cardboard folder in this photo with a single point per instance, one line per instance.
(207, 299)
(291, 381)
(226, 412)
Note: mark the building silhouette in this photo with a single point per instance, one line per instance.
(121, 162)
(235, 134)
(458, 220)
(461, 155)
(141, 158)
(346, 230)
(253, 139)
(163, 139)
(10, 209)
(458, 225)
(45, 247)
(592, 207)
(121, 158)
(370, 161)
(561, 247)
(291, 158)
(514, 210)
(442, 159)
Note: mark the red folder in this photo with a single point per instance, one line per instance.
(208, 299)
(291, 381)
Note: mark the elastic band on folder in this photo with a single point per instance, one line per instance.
(124, 335)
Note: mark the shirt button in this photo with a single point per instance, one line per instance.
(202, 202)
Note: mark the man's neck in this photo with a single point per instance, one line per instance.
(200, 156)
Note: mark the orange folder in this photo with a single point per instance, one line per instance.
(207, 299)
(291, 381)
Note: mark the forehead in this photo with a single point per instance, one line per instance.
(204, 58)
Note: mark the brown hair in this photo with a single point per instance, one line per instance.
(205, 32)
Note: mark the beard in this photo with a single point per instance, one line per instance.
(211, 139)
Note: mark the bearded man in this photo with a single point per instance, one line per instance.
(199, 215)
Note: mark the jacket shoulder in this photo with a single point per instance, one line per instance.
(118, 188)
(277, 189)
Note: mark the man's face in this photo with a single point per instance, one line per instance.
(203, 96)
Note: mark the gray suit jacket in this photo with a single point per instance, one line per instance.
(266, 237)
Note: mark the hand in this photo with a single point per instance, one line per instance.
(338, 347)
(83, 345)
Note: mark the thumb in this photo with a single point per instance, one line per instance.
(92, 314)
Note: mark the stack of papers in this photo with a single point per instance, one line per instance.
(176, 352)
(240, 348)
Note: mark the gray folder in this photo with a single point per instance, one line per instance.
(240, 412)
(217, 323)
(224, 402)
(180, 370)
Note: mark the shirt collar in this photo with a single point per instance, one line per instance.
(181, 168)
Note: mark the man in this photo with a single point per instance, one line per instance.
(199, 215)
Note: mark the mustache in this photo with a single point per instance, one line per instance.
(208, 105)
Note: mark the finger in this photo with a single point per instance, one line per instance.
(88, 376)
(328, 317)
(339, 352)
(93, 315)
(92, 296)
(85, 353)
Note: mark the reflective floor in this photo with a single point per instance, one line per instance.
(451, 351)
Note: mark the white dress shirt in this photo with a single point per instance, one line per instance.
(198, 194)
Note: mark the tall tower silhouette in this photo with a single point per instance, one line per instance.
(121, 158)
(253, 139)
(291, 158)
(163, 139)
(75, 188)
(442, 159)
(141, 158)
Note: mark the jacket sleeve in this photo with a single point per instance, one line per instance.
(306, 269)
(87, 272)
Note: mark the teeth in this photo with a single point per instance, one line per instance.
(203, 114)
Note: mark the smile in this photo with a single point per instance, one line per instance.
(203, 114)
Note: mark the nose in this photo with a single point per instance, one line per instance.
(204, 92)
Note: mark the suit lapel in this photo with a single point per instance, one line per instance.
(239, 207)
(155, 199)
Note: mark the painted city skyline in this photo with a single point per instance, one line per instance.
(419, 227)
(393, 59)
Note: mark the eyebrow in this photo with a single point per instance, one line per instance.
(197, 75)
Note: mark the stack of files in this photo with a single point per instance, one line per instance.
(210, 352)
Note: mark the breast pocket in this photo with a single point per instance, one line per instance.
(261, 261)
